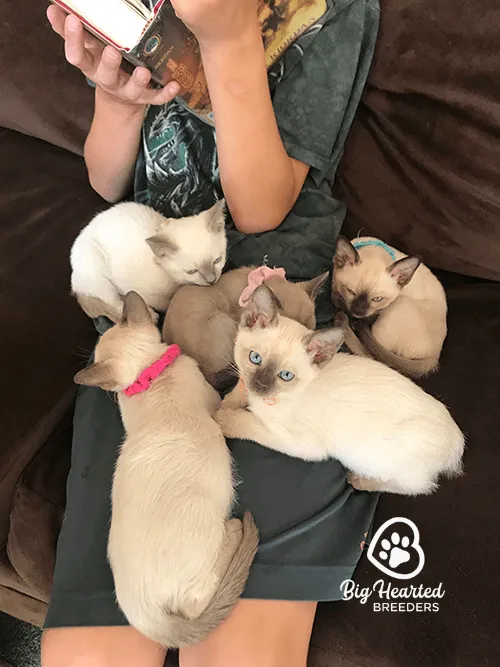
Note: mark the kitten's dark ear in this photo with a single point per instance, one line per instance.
(323, 344)
(96, 375)
(403, 270)
(162, 246)
(216, 217)
(313, 287)
(262, 309)
(345, 254)
(135, 310)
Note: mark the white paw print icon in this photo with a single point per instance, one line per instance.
(389, 552)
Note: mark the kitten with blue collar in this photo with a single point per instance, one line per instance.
(399, 304)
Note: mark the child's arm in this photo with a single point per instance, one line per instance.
(120, 102)
(260, 181)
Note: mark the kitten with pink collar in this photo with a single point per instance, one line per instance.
(179, 563)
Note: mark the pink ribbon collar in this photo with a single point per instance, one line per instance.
(255, 279)
(150, 373)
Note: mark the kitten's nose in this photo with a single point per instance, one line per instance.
(359, 307)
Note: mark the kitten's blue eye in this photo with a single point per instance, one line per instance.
(255, 357)
(192, 272)
(377, 299)
(217, 260)
(286, 376)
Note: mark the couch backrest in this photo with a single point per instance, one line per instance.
(422, 164)
(40, 93)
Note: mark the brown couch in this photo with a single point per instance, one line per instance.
(422, 169)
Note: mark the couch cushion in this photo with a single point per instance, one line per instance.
(37, 511)
(44, 202)
(458, 525)
(422, 164)
(40, 93)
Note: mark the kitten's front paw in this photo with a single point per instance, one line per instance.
(237, 398)
(361, 483)
(225, 417)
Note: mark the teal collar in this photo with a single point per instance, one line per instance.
(378, 243)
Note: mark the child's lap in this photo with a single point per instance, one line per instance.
(311, 522)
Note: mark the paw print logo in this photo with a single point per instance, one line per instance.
(395, 549)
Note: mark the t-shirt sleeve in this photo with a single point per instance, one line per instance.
(317, 96)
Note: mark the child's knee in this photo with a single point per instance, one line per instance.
(99, 647)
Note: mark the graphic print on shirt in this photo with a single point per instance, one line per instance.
(178, 172)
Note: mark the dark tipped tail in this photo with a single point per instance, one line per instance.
(415, 368)
(174, 631)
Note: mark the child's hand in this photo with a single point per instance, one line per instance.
(102, 64)
(217, 20)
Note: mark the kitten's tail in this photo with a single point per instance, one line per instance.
(415, 368)
(175, 631)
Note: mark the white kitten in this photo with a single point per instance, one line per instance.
(301, 398)
(132, 247)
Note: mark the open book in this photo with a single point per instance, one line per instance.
(160, 41)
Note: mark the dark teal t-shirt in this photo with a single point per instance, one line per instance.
(316, 88)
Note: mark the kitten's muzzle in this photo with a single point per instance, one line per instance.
(360, 306)
(264, 380)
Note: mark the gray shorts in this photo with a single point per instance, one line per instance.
(311, 522)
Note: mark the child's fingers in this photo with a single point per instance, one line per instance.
(137, 85)
(165, 94)
(108, 70)
(76, 54)
(57, 19)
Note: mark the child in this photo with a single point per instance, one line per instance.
(273, 155)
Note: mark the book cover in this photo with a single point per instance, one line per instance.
(171, 51)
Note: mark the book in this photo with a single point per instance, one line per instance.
(158, 40)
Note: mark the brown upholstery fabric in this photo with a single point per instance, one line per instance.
(40, 93)
(422, 164)
(44, 201)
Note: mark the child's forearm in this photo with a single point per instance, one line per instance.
(260, 181)
(112, 146)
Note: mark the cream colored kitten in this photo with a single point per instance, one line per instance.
(407, 300)
(204, 320)
(132, 247)
(178, 564)
(299, 397)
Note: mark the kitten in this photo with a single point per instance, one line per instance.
(179, 565)
(374, 280)
(299, 397)
(132, 247)
(204, 320)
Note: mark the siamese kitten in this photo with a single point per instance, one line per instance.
(178, 563)
(132, 247)
(204, 320)
(297, 396)
(374, 280)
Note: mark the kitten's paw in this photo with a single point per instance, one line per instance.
(225, 417)
(361, 483)
(237, 398)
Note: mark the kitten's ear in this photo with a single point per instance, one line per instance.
(135, 310)
(403, 270)
(162, 246)
(216, 219)
(262, 309)
(323, 344)
(313, 287)
(96, 375)
(345, 254)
